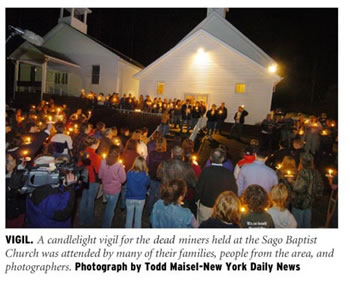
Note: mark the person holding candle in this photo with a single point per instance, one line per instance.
(186, 115)
(137, 183)
(105, 142)
(113, 175)
(195, 114)
(177, 115)
(61, 144)
(212, 119)
(312, 136)
(307, 187)
(164, 123)
(222, 115)
(237, 126)
(266, 134)
(128, 156)
(281, 216)
(91, 161)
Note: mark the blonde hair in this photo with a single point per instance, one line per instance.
(139, 165)
(227, 208)
(279, 195)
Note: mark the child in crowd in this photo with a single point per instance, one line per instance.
(281, 216)
(168, 212)
(256, 199)
(226, 212)
(137, 183)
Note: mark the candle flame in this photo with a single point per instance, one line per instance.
(104, 155)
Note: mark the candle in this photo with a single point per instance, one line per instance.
(332, 125)
(243, 209)
(76, 126)
(116, 141)
(50, 118)
(120, 161)
(28, 140)
(278, 166)
(324, 133)
(330, 173)
(58, 110)
(315, 125)
(301, 132)
(104, 155)
(25, 152)
(289, 174)
(194, 160)
(70, 129)
(220, 112)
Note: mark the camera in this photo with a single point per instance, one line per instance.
(52, 175)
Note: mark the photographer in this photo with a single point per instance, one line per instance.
(52, 207)
(15, 202)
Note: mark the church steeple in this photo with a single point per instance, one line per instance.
(221, 11)
(75, 17)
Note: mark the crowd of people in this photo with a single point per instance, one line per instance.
(265, 189)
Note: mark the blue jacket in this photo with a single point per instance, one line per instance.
(137, 183)
(50, 208)
(170, 216)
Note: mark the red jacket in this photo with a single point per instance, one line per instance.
(94, 167)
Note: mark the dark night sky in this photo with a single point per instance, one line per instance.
(304, 41)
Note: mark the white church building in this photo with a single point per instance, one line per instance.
(71, 60)
(216, 63)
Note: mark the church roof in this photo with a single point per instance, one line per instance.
(220, 28)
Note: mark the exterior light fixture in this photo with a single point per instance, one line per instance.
(272, 68)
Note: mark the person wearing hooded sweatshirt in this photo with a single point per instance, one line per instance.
(137, 183)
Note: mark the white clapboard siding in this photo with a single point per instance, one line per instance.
(181, 74)
(126, 83)
(85, 53)
(116, 75)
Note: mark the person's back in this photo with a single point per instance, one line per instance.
(257, 173)
(213, 181)
(256, 200)
(170, 216)
(49, 207)
(137, 183)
